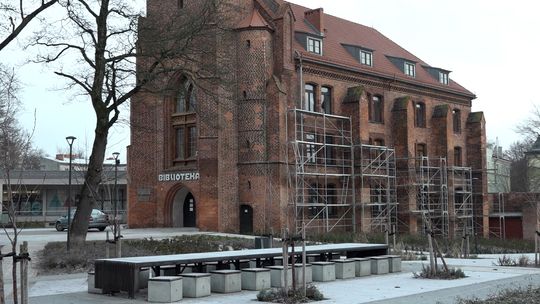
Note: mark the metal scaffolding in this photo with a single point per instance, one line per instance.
(432, 193)
(321, 174)
(376, 168)
(463, 206)
(498, 211)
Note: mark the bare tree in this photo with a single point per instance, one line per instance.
(15, 154)
(111, 66)
(14, 17)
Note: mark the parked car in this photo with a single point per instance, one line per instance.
(98, 219)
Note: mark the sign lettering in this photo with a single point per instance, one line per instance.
(178, 177)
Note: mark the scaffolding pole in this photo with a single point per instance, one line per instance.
(376, 171)
(321, 173)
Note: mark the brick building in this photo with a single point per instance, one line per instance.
(322, 122)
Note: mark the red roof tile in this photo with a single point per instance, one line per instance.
(255, 20)
(340, 31)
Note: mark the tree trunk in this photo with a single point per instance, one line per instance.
(2, 297)
(79, 226)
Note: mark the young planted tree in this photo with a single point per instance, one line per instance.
(110, 66)
(16, 154)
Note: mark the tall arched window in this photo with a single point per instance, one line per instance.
(184, 127)
(309, 100)
(456, 119)
(185, 99)
(420, 115)
(376, 107)
(326, 100)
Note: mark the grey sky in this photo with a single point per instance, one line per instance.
(490, 46)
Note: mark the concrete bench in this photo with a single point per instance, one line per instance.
(379, 265)
(91, 284)
(196, 285)
(256, 278)
(345, 269)
(362, 267)
(394, 263)
(144, 276)
(277, 276)
(324, 271)
(226, 281)
(298, 273)
(165, 289)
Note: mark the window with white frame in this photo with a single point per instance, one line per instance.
(366, 58)
(310, 148)
(314, 45)
(443, 77)
(410, 69)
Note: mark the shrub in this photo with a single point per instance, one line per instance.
(528, 295)
(440, 273)
(277, 295)
(54, 259)
(522, 261)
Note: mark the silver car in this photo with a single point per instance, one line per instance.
(98, 219)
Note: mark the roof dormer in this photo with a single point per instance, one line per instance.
(441, 75)
(408, 67)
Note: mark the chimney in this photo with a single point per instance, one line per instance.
(316, 18)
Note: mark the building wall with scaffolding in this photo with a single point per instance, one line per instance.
(328, 166)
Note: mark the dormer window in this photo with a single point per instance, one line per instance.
(443, 77)
(314, 45)
(410, 69)
(366, 58)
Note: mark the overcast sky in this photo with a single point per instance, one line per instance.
(491, 47)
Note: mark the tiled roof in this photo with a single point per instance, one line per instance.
(340, 31)
(253, 21)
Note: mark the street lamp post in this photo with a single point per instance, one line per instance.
(116, 162)
(70, 140)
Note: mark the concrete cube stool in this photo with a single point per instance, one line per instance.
(379, 265)
(196, 285)
(144, 276)
(256, 278)
(345, 269)
(298, 273)
(91, 284)
(165, 289)
(362, 267)
(394, 263)
(324, 271)
(277, 276)
(226, 281)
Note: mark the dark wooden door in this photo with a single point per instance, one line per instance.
(246, 219)
(190, 215)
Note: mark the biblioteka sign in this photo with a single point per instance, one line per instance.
(178, 177)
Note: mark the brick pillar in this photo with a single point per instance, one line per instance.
(476, 159)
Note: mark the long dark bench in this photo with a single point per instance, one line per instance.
(122, 274)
